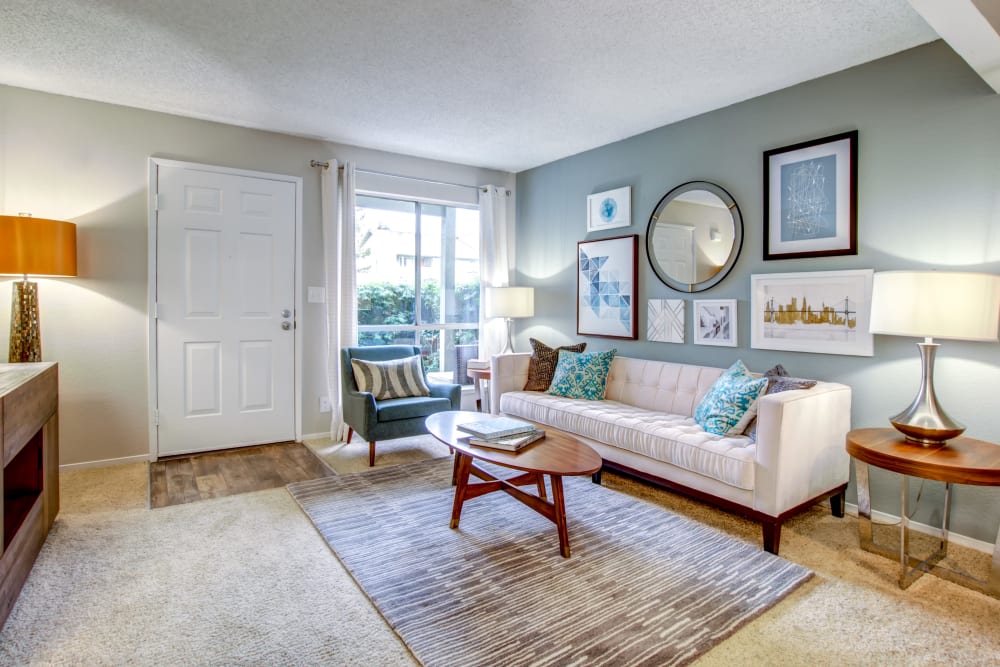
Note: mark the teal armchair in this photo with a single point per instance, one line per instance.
(391, 418)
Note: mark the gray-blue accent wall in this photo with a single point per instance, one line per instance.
(928, 197)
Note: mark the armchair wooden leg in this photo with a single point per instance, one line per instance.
(350, 434)
(371, 453)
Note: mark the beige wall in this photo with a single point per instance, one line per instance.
(87, 162)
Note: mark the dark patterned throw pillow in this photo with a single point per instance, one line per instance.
(542, 365)
(778, 380)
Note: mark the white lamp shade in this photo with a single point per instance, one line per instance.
(936, 304)
(510, 301)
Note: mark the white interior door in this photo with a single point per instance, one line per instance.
(674, 247)
(225, 288)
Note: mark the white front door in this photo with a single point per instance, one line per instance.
(225, 288)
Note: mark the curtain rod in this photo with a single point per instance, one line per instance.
(326, 165)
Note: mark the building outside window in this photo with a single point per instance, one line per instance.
(418, 278)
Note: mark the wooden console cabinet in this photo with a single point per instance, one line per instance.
(29, 486)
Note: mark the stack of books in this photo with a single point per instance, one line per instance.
(504, 433)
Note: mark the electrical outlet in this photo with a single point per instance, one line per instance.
(324, 404)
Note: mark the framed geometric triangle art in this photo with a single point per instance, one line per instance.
(606, 286)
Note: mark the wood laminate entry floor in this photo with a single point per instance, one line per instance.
(186, 479)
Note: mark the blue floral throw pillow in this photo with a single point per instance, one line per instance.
(582, 374)
(731, 395)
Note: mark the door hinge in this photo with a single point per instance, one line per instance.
(156, 310)
(156, 417)
(156, 201)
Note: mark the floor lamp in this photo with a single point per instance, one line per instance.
(38, 247)
(508, 303)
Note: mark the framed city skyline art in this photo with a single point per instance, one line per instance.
(811, 198)
(606, 280)
(824, 312)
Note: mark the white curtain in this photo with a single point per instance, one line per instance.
(494, 264)
(337, 188)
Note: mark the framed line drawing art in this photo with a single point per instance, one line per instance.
(608, 210)
(811, 198)
(606, 280)
(715, 322)
(824, 312)
(665, 320)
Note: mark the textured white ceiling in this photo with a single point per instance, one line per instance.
(504, 84)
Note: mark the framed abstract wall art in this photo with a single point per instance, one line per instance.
(608, 210)
(665, 320)
(606, 280)
(715, 322)
(811, 198)
(826, 312)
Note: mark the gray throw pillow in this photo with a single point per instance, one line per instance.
(395, 378)
(778, 380)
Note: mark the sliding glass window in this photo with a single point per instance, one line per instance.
(418, 279)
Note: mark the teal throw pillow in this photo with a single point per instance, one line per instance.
(728, 399)
(582, 374)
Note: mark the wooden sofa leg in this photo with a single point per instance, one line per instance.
(772, 536)
(371, 453)
(350, 434)
(596, 477)
(837, 504)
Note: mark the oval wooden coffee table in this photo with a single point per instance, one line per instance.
(557, 455)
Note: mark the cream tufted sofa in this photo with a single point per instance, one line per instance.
(645, 428)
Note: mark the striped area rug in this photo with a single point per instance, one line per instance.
(643, 586)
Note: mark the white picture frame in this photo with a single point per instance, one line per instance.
(715, 322)
(609, 209)
(823, 312)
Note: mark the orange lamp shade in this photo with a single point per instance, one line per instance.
(37, 246)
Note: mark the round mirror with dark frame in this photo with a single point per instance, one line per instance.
(694, 236)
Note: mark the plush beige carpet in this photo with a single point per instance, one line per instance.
(247, 580)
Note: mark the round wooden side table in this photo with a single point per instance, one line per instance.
(958, 461)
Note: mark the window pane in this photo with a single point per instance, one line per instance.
(385, 238)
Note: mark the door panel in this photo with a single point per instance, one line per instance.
(225, 274)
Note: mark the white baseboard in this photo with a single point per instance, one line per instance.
(953, 538)
(104, 463)
(325, 435)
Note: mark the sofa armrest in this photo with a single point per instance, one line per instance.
(800, 445)
(453, 392)
(508, 372)
(359, 410)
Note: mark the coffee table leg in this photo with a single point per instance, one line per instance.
(559, 505)
(464, 463)
(540, 481)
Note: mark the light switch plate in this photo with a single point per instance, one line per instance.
(317, 294)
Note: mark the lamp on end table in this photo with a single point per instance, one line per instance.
(38, 247)
(929, 305)
(508, 303)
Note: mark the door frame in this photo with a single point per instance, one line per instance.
(152, 388)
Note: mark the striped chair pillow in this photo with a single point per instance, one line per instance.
(396, 378)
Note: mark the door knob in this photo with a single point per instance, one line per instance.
(286, 313)
(286, 325)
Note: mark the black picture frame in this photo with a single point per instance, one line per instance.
(811, 198)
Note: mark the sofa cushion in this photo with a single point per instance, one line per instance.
(729, 399)
(542, 364)
(674, 439)
(394, 378)
(393, 409)
(582, 374)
